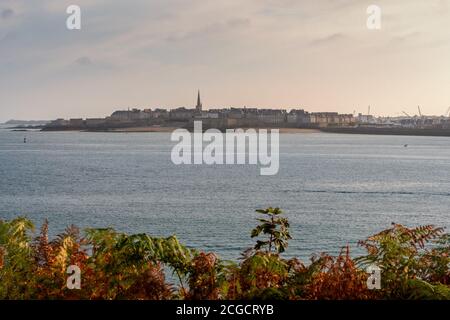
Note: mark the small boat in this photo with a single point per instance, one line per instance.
(25, 140)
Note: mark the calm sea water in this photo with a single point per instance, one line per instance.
(335, 189)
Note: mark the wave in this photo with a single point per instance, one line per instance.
(407, 193)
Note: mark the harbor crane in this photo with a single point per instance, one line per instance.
(406, 114)
(447, 113)
(420, 112)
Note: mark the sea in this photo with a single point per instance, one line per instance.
(335, 189)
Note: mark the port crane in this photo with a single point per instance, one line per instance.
(406, 114)
(420, 112)
(447, 113)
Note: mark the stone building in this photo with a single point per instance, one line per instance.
(272, 116)
(326, 119)
(181, 114)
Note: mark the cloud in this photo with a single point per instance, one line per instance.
(238, 23)
(212, 29)
(84, 61)
(85, 65)
(242, 52)
(6, 13)
(405, 37)
(332, 38)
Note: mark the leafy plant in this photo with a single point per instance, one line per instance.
(414, 264)
(17, 263)
(203, 280)
(404, 254)
(333, 278)
(275, 228)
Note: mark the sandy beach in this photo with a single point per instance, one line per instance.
(298, 130)
(143, 129)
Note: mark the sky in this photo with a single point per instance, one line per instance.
(318, 55)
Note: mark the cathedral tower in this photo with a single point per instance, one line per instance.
(198, 108)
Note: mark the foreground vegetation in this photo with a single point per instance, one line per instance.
(414, 264)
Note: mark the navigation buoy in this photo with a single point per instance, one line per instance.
(25, 140)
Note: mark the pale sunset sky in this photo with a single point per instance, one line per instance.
(317, 54)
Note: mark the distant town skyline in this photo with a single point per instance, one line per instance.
(318, 55)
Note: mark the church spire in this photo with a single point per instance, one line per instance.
(198, 108)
